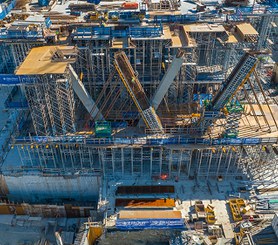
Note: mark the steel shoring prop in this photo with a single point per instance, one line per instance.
(110, 93)
(113, 101)
(259, 104)
(122, 107)
(108, 96)
(251, 106)
(105, 86)
(268, 106)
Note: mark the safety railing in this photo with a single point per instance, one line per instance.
(178, 140)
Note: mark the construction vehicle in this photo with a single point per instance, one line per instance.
(127, 15)
(93, 16)
(130, 5)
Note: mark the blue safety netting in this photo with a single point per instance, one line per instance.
(140, 224)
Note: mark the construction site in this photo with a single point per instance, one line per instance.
(138, 122)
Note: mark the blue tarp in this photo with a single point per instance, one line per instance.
(11, 79)
(140, 224)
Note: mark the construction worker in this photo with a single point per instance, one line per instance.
(133, 80)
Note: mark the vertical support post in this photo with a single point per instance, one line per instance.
(101, 158)
(170, 163)
(229, 162)
(190, 162)
(53, 156)
(80, 152)
(180, 161)
(219, 162)
(141, 161)
(43, 157)
(151, 161)
(200, 161)
(90, 158)
(131, 161)
(160, 161)
(71, 156)
(20, 156)
(38, 153)
(113, 160)
(29, 155)
(209, 164)
(123, 161)
(239, 158)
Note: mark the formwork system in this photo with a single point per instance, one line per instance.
(52, 104)
(124, 158)
(97, 46)
(14, 52)
(259, 164)
(150, 159)
(210, 53)
(48, 86)
(150, 58)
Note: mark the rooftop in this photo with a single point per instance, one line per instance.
(40, 61)
(204, 28)
(247, 29)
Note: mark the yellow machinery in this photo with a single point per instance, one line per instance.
(94, 232)
(236, 205)
(244, 231)
(94, 16)
(210, 216)
(200, 209)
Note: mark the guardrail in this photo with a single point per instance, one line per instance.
(135, 32)
(11, 79)
(178, 140)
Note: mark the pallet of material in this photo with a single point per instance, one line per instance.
(145, 203)
(147, 214)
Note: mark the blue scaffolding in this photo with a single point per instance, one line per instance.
(176, 140)
(20, 34)
(6, 9)
(189, 18)
(108, 32)
(12, 80)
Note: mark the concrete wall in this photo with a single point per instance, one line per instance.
(53, 189)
